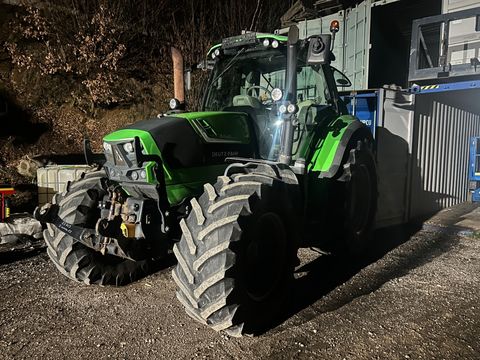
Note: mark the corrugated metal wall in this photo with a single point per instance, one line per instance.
(457, 5)
(443, 125)
(423, 152)
(357, 44)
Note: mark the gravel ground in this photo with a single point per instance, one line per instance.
(416, 297)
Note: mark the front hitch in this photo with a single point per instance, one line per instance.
(49, 214)
(133, 249)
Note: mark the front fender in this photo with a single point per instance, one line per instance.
(330, 149)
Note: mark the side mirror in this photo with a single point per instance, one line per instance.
(319, 50)
(340, 78)
(206, 65)
(291, 73)
(187, 78)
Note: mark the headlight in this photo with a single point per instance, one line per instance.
(276, 94)
(107, 147)
(282, 109)
(215, 53)
(266, 42)
(292, 108)
(128, 147)
(143, 174)
(275, 44)
(174, 104)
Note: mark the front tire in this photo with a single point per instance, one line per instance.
(359, 200)
(76, 261)
(236, 255)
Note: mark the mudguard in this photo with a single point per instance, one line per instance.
(329, 151)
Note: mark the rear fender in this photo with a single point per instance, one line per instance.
(330, 149)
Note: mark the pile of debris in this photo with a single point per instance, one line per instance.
(21, 232)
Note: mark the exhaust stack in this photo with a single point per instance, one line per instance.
(178, 81)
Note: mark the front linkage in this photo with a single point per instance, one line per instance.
(134, 228)
(127, 227)
(109, 232)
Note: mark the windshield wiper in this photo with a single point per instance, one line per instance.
(268, 81)
(228, 66)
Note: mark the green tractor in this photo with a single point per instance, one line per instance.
(296, 170)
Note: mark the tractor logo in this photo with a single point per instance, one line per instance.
(216, 154)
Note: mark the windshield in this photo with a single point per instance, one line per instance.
(243, 82)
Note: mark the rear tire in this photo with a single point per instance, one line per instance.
(237, 253)
(76, 261)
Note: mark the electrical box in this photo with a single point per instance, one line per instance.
(474, 169)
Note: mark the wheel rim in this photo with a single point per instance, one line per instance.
(360, 199)
(265, 256)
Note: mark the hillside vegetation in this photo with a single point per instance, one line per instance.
(71, 69)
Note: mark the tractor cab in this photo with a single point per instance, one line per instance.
(251, 75)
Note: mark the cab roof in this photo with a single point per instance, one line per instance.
(246, 39)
